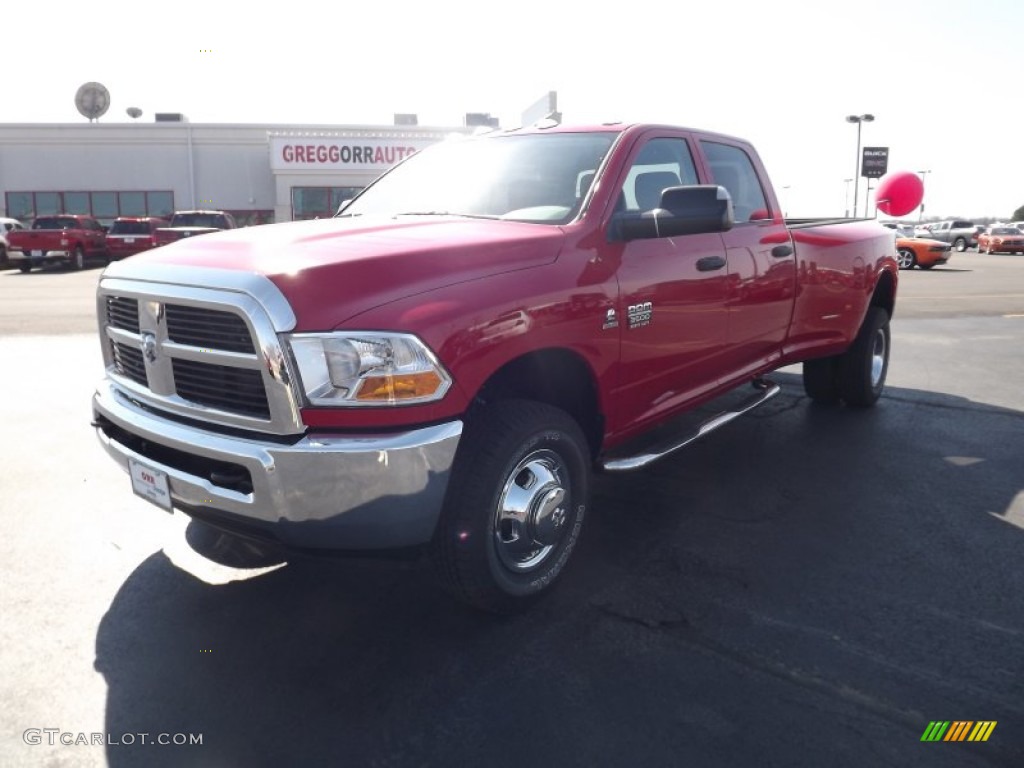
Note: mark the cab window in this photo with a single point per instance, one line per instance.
(732, 168)
(662, 163)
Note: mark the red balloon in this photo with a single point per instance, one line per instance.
(899, 193)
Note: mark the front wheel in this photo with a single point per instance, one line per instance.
(515, 505)
(863, 367)
(960, 244)
(25, 267)
(906, 258)
(78, 259)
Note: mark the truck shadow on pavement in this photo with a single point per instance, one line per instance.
(841, 577)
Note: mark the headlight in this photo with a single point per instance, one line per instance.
(364, 368)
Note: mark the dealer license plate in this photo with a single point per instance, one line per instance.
(37, 254)
(150, 484)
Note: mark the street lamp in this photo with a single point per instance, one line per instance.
(858, 119)
(920, 213)
(846, 197)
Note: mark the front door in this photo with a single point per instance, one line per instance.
(672, 296)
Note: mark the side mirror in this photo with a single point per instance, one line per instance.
(689, 210)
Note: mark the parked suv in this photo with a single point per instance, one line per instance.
(129, 235)
(958, 233)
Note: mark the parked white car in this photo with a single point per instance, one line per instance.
(7, 225)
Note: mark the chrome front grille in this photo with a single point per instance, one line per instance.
(221, 386)
(211, 354)
(123, 313)
(129, 362)
(201, 327)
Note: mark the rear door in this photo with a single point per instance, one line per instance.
(762, 262)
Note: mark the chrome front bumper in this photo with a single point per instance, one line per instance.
(323, 491)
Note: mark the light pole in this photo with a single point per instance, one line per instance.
(920, 213)
(846, 197)
(858, 119)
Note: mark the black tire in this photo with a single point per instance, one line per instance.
(925, 266)
(863, 367)
(25, 267)
(821, 380)
(960, 244)
(513, 453)
(78, 259)
(906, 258)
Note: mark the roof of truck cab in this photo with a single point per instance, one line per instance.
(610, 127)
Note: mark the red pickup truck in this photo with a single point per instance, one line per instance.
(62, 239)
(191, 223)
(445, 363)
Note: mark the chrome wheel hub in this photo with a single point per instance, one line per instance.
(532, 514)
(878, 358)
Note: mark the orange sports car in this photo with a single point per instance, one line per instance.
(922, 252)
(1005, 239)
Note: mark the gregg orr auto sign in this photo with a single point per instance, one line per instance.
(316, 153)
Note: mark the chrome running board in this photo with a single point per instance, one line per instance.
(766, 391)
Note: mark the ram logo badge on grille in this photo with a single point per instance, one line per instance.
(149, 346)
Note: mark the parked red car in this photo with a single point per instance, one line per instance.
(1004, 239)
(129, 235)
(60, 239)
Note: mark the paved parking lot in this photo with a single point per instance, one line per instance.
(809, 586)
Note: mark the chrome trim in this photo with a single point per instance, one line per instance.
(252, 298)
(260, 288)
(766, 391)
(326, 491)
(529, 520)
(879, 355)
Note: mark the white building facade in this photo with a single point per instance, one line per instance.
(260, 173)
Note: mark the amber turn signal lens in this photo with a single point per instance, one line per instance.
(397, 388)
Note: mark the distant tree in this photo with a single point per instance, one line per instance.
(1018, 215)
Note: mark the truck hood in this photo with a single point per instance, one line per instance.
(333, 269)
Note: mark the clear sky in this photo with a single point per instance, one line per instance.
(943, 78)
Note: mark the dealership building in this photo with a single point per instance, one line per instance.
(260, 173)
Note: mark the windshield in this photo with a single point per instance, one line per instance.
(129, 228)
(213, 220)
(1005, 231)
(532, 177)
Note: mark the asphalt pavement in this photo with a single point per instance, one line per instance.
(809, 586)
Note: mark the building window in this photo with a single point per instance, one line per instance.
(20, 205)
(160, 204)
(77, 202)
(319, 202)
(103, 206)
(131, 203)
(48, 203)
